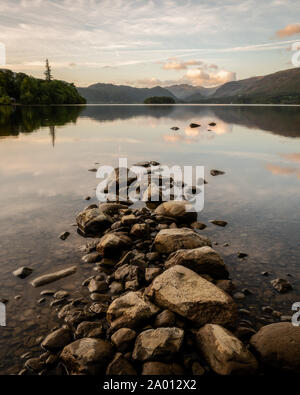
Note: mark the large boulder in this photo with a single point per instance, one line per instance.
(123, 338)
(203, 260)
(278, 346)
(224, 352)
(177, 209)
(111, 208)
(130, 310)
(161, 343)
(87, 356)
(170, 240)
(93, 221)
(112, 244)
(186, 293)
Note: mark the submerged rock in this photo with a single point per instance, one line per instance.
(170, 240)
(218, 222)
(64, 235)
(186, 293)
(225, 353)
(194, 125)
(23, 272)
(215, 172)
(203, 260)
(281, 285)
(50, 278)
(87, 356)
(161, 343)
(130, 310)
(278, 346)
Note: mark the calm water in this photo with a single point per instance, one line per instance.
(45, 154)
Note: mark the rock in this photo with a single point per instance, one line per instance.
(35, 364)
(140, 230)
(129, 220)
(264, 273)
(242, 255)
(278, 346)
(226, 285)
(112, 244)
(47, 292)
(225, 353)
(244, 332)
(127, 273)
(50, 278)
(89, 329)
(218, 222)
(93, 170)
(23, 272)
(198, 225)
(116, 288)
(61, 294)
(111, 208)
(87, 356)
(239, 296)
(151, 273)
(92, 257)
(97, 286)
(161, 343)
(212, 124)
(178, 210)
(64, 235)
(130, 310)
(123, 338)
(120, 366)
(170, 240)
(215, 172)
(186, 293)
(194, 125)
(142, 164)
(165, 319)
(281, 285)
(93, 221)
(203, 260)
(57, 340)
(161, 368)
(267, 309)
(197, 369)
(175, 128)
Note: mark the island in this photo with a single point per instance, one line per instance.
(159, 100)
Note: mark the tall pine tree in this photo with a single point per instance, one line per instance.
(47, 73)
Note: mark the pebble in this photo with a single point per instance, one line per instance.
(64, 235)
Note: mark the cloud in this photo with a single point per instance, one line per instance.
(176, 65)
(283, 171)
(200, 77)
(292, 157)
(289, 30)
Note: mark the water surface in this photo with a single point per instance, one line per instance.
(45, 154)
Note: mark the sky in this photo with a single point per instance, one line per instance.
(145, 43)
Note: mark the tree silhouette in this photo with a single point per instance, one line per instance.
(47, 73)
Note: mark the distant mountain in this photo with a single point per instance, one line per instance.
(281, 87)
(188, 92)
(121, 94)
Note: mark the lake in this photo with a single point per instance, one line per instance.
(45, 155)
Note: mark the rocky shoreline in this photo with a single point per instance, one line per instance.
(159, 303)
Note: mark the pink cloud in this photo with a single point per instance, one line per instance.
(289, 30)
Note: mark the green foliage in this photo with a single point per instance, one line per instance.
(48, 75)
(159, 100)
(24, 89)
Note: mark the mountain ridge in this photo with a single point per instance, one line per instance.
(281, 87)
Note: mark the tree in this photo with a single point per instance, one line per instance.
(47, 73)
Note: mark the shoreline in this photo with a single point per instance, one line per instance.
(138, 317)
